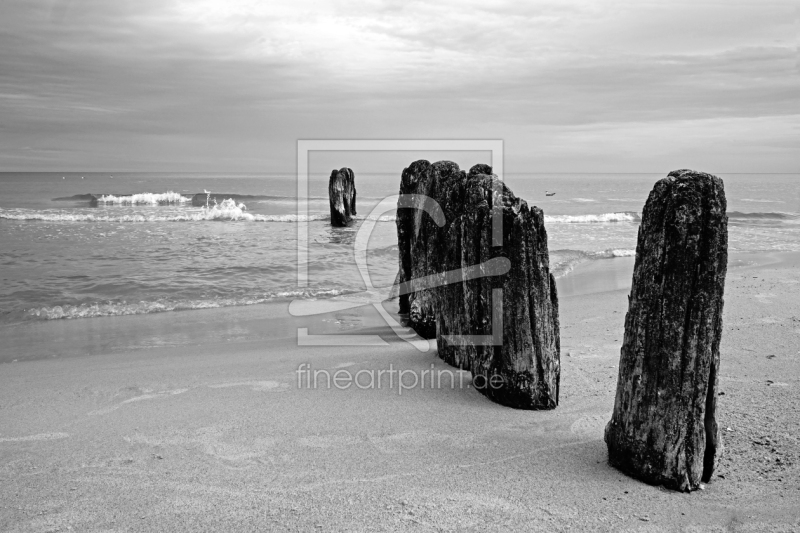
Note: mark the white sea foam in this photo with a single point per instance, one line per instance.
(760, 201)
(562, 262)
(164, 305)
(625, 216)
(146, 198)
(228, 210)
(615, 252)
(381, 218)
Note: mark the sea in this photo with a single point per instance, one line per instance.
(145, 248)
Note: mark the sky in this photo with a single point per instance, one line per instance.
(231, 85)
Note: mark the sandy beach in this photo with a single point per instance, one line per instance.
(218, 435)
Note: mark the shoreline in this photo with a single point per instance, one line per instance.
(67, 338)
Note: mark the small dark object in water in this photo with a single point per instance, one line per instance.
(549, 193)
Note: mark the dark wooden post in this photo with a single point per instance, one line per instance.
(421, 241)
(342, 196)
(407, 226)
(515, 358)
(492, 309)
(663, 429)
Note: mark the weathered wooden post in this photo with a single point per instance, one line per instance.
(421, 241)
(342, 196)
(493, 309)
(663, 429)
(407, 226)
(503, 326)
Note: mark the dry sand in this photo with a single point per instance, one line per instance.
(217, 435)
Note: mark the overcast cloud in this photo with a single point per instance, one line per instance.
(221, 85)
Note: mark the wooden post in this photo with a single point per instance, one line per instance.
(515, 358)
(663, 429)
(342, 196)
(421, 241)
(407, 227)
(501, 324)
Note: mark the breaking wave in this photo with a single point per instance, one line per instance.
(625, 216)
(228, 210)
(611, 253)
(122, 308)
(771, 216)
(147, 198)
(562, 262)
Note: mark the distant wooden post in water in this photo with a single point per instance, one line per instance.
(663, 429)
(342, 196)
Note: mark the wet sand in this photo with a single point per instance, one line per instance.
(195, 421)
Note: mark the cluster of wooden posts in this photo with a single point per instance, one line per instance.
(663, 428)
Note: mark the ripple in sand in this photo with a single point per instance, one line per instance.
(590, 426)
(327, 441)
(141, 397)
(37, 437)
(215, 442)
(258, 386)
(764, 297)
(404, 442)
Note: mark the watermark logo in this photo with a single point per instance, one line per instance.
(391, 378)
(371, 296)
